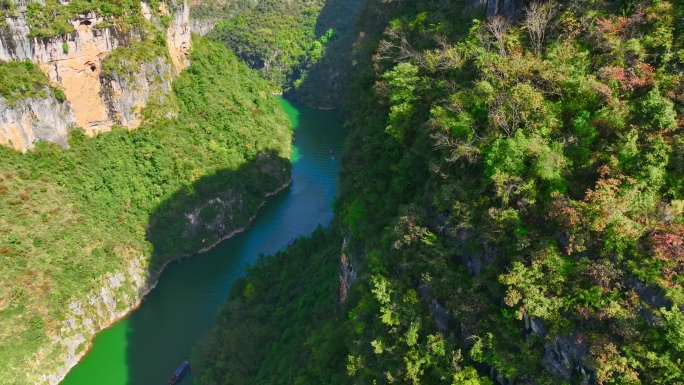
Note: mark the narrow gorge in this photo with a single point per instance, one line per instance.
(499, 186)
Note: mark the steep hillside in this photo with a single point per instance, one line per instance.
(102, 62)
(513, 198)
(85, 231)
(295, 315)
(302, 47)
(204, 14)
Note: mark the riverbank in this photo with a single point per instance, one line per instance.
(83, 228)
(146, 289)
(151, 341)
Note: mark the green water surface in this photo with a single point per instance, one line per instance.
(147, 346)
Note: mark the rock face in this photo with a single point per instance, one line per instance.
(202, 26)
(565, 355)
(35, 119)
(74, 63)
(508, 8)
(118, 293)
(125, 95)
(178, 37)
(348, 272)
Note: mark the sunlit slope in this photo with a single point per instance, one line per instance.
(76, 243)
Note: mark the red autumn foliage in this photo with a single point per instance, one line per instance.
(668, 245)
(613, 27)
(622, 25)
(604, 90)
(629, 79)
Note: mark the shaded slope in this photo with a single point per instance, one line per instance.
(279, 325)
(288, 42)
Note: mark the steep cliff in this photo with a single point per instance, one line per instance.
(298, 320)
(508, 8)
(202, 26)
(522, 213)
(205, 14)
(28, 120)
(73, 61)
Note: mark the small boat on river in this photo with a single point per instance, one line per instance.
(180, 372)
(292, 242)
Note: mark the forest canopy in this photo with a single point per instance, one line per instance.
(302, 48)
(72, 218)
(514, 197)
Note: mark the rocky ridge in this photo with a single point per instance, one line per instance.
(73, 62)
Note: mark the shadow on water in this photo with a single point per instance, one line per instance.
(192, 219)
(162, 331)
(213, 207)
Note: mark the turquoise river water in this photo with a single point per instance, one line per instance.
(147, 346)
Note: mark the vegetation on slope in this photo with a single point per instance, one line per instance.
(280, 324)
(21, 80)
(71, 216)
(287, 40)
(127, 60)
(525, 218)
(213, 10)
(7, 9)
(54, 18)
(535, 179)
(271, 36)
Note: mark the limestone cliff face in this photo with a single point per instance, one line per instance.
(118, 293)
(348, 270)
(508, 8)
(35, 119)
(74, 62)
(202, 26)
(178, 37)
(125, 95)
(204, 21)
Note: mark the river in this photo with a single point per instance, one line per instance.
(148, 345)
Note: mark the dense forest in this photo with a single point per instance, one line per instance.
(511, 207)
(72, 219)
(512, 203)
(300, 47)
(286, 302)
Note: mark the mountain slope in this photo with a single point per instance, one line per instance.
(85, 231)
(512, 194)
(301, 47)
